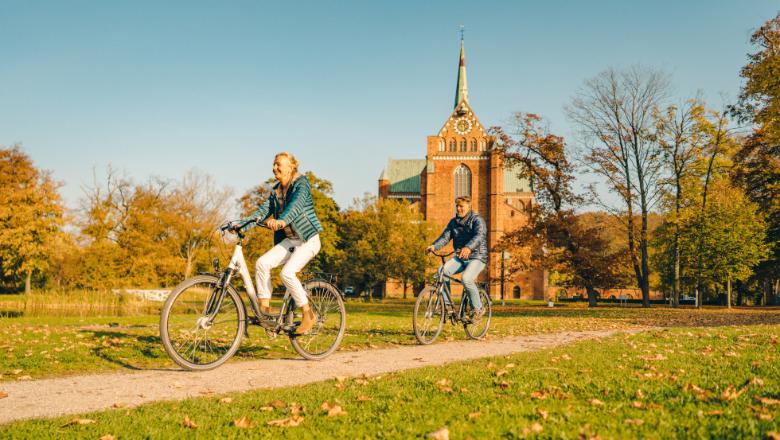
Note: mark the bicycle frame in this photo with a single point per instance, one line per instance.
(443, 283)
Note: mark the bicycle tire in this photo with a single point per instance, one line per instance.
(326, 335)
(433, 307)
(478, 331)
(175, 322)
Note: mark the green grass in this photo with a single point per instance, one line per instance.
(671, 383)
(39, 347)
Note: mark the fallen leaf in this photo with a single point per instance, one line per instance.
(500, 373)
(364, 398)
(336, 410)
(730, 354)
(596, 402)
(756, 381)
(16, 371)
(243, 422)
(360, 381)
(636, 422)
(537, 427)
(266, 408)
(278, 404)
(3, 395)
(715, 412)
(765, 417)
(443, 382)
(188, 423)
(24, 378)
(510, 365)
(107, 437)
(639, 394)
(79, 422)
(637, 404)
(768, 401)
(464, 390)
(731, 393)
(503, 384)
(474, 415)
(442, 434)
(226, 400)
(286, 423)
(539, 395)
(566, 357)
(118, 405)
(773, 435)
(489, 365)
(340, 378)
(295, 408)
(542, 413)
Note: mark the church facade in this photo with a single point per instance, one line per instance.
(460, 161)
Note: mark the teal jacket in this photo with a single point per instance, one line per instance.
(298, 211)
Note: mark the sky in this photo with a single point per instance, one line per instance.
(160, 88)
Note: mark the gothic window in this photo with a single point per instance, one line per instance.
(482, 145)
(473, 145)
(463, 145)
(453, 144)
(441, 145)
(462, 181)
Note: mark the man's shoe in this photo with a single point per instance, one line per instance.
(307, 322)
(476, 315)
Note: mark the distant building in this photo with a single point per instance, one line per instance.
(460, 161)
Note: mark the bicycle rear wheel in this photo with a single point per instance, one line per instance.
(324, 338)
(428, 317)
(478, 330)
(194, 340)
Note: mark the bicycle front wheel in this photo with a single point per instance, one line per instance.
(324, 338)
(428, 317)
(479, 329)
(194, 338)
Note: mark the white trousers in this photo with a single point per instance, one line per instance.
(294, 254)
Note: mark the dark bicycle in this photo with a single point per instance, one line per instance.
(434, 305)
(204, 318)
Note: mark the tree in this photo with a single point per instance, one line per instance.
(758, 166)
(31, 215)
(613, 113)
(681, 143)
(571, 247)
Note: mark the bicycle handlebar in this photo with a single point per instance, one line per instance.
(441, 255)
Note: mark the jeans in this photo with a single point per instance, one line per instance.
(302, 252)
(470, 269)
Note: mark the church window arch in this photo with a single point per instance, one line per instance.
(453, 144)
(473, 145)
(442, 145)
(463, 145)
(462, 181)
(482, 145)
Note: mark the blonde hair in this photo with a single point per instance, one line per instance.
(463, 199)
(289, 157)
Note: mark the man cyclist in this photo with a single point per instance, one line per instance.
(468, 232)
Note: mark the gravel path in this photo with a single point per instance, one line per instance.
(79, 394)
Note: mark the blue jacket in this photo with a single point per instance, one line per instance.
(469, 231)
(297, 212)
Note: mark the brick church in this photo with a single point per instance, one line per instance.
(460, 161)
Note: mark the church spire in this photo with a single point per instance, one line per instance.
(462, 89)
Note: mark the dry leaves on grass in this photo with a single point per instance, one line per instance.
(596, 402)
(107, 437)
(767, 401)
(731, 393)
(715, 412)
(332, 409)
(444, 385)
(534, 428)
(243, 422)
(78, 421)
(538, 395)
(226, 400)
(286, 423)
(441, 434)
(364, 398)
(542, 413)
(503, 385)
(474, 415)
(188, 423)
(635, 422)
(3, 394)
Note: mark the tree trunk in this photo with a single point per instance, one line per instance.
(592, 298)
(728, 291)
(676, 279)
(28, 282)
(404, 288)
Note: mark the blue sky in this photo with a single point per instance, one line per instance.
(158, 88)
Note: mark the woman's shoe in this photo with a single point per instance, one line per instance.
(308, 320)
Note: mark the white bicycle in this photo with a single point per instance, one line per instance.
(204, 319)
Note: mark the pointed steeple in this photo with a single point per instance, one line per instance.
(462, 88)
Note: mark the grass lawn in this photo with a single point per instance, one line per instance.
(38, 347)
(706, 382)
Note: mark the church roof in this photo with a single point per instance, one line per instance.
(403, 175)
(461, 88)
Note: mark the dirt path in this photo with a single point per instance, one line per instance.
(78, 394)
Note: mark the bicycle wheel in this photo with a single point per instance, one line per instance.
(480, 329)
(324, 338)
(428, 317)
(192, 339)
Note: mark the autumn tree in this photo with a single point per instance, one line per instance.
(758, 160)
(31, 215)
(614, 116)
(569, 246)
